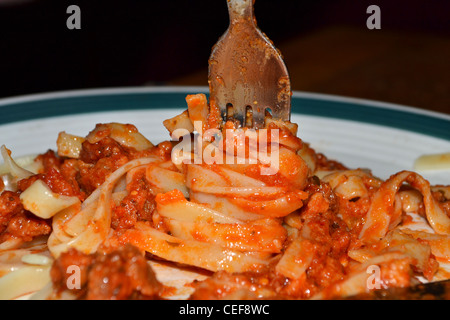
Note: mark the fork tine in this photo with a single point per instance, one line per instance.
(259, 115)
(239, 112)
(247, 71)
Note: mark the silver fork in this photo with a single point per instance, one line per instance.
(247, 76)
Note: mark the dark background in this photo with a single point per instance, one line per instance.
(326, 45)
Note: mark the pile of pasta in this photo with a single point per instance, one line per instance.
(312, 229)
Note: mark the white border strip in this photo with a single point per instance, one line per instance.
(193, 89)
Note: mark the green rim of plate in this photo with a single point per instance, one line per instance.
(316, 105)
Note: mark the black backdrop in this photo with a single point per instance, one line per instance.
(126, 43)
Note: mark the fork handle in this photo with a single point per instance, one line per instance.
(240, 10)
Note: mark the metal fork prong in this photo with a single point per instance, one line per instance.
(245, 69)
(259, 115)
(239, 112)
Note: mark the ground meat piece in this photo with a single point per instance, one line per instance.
(92, 176)
(26, 226)
(58, 184)
(70, 171)
(118, 275)
(23, 184)
(314, 185)
(16, 222)
(10, 205)
(56, 181)
(97, 161)
(104, 148)
(331, 239)
(60, 272)
(239, 286)
(330, 236)
(49, 160)
(138, 205)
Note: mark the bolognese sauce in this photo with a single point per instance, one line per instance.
(310, 230)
